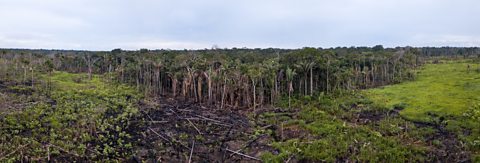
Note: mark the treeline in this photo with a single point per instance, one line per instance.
(232, 77)
(453, 52)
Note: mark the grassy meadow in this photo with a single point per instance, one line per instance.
(445, 89)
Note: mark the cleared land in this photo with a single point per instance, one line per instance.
(445, 89)
(116, 121)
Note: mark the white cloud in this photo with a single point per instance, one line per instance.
(190, 24)
(16, 19)
(447, 40)
(35, 41)
(160, 44)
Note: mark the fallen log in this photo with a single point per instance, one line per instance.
(244, 155)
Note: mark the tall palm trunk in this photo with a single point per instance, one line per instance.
(328, 79)
(311, 81)
(199, 88)
(254, 95)
(224, 91)
(184, 87)
(209, 87)
(174, 86)
(305, 92)
(32, 76)
(290, 89)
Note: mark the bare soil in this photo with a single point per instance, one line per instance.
(183, 131)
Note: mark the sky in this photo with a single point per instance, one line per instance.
(199, 24)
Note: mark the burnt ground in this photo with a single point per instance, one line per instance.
(180, 130)
(173, 130)
(14, 98)
(177, 130)
(446, 146)
(443, 145)
(183, 131)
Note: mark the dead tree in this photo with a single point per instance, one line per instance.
(90, 62)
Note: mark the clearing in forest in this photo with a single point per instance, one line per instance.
(448, 88)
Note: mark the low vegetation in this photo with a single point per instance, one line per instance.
(442, 89)
(353, 128)
(354, 104)
(444, 94)
(80, 119)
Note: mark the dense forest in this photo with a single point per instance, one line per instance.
(234, 77)
(238, 79)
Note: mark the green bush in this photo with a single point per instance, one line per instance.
(83, 124)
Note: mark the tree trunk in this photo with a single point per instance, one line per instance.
(24, 74)
(276, 87)
(254, 95)
(223, 92)
(328, 78)
(32, 76)
(199, 89)
(311, 81)
(305, 92)
(209, 87)
(174, 86)
(184, 87)
(89, 73)
(290, 89)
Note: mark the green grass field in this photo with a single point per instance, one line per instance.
(442, 89)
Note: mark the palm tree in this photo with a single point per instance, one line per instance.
(271, 67)
(329, 56)
(157, 64)
(290, 74)
(224, 69)
(49, 67)
(305, 67)
(254, 73)
(208, 75)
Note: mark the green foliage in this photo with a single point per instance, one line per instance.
(340, 143)
(86, 120)
(333, 139)
(20, 89)
(446, 94)
(442, 89)
(471, 121)
(473, 112)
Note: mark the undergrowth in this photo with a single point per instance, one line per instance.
(332, 137)
(82, 120)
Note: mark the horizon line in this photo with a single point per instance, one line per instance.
(231, 48)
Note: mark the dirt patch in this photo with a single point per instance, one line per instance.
(445, 145)
(13, 98)
(182, 130)
(370, 116)
(283, 132)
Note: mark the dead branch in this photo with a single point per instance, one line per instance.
(208, 119)
(191, 152)
(159, 135)
(248, 144)
(244, 155)
(195, 127)
(158, 121)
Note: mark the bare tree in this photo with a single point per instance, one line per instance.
(90, 62)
